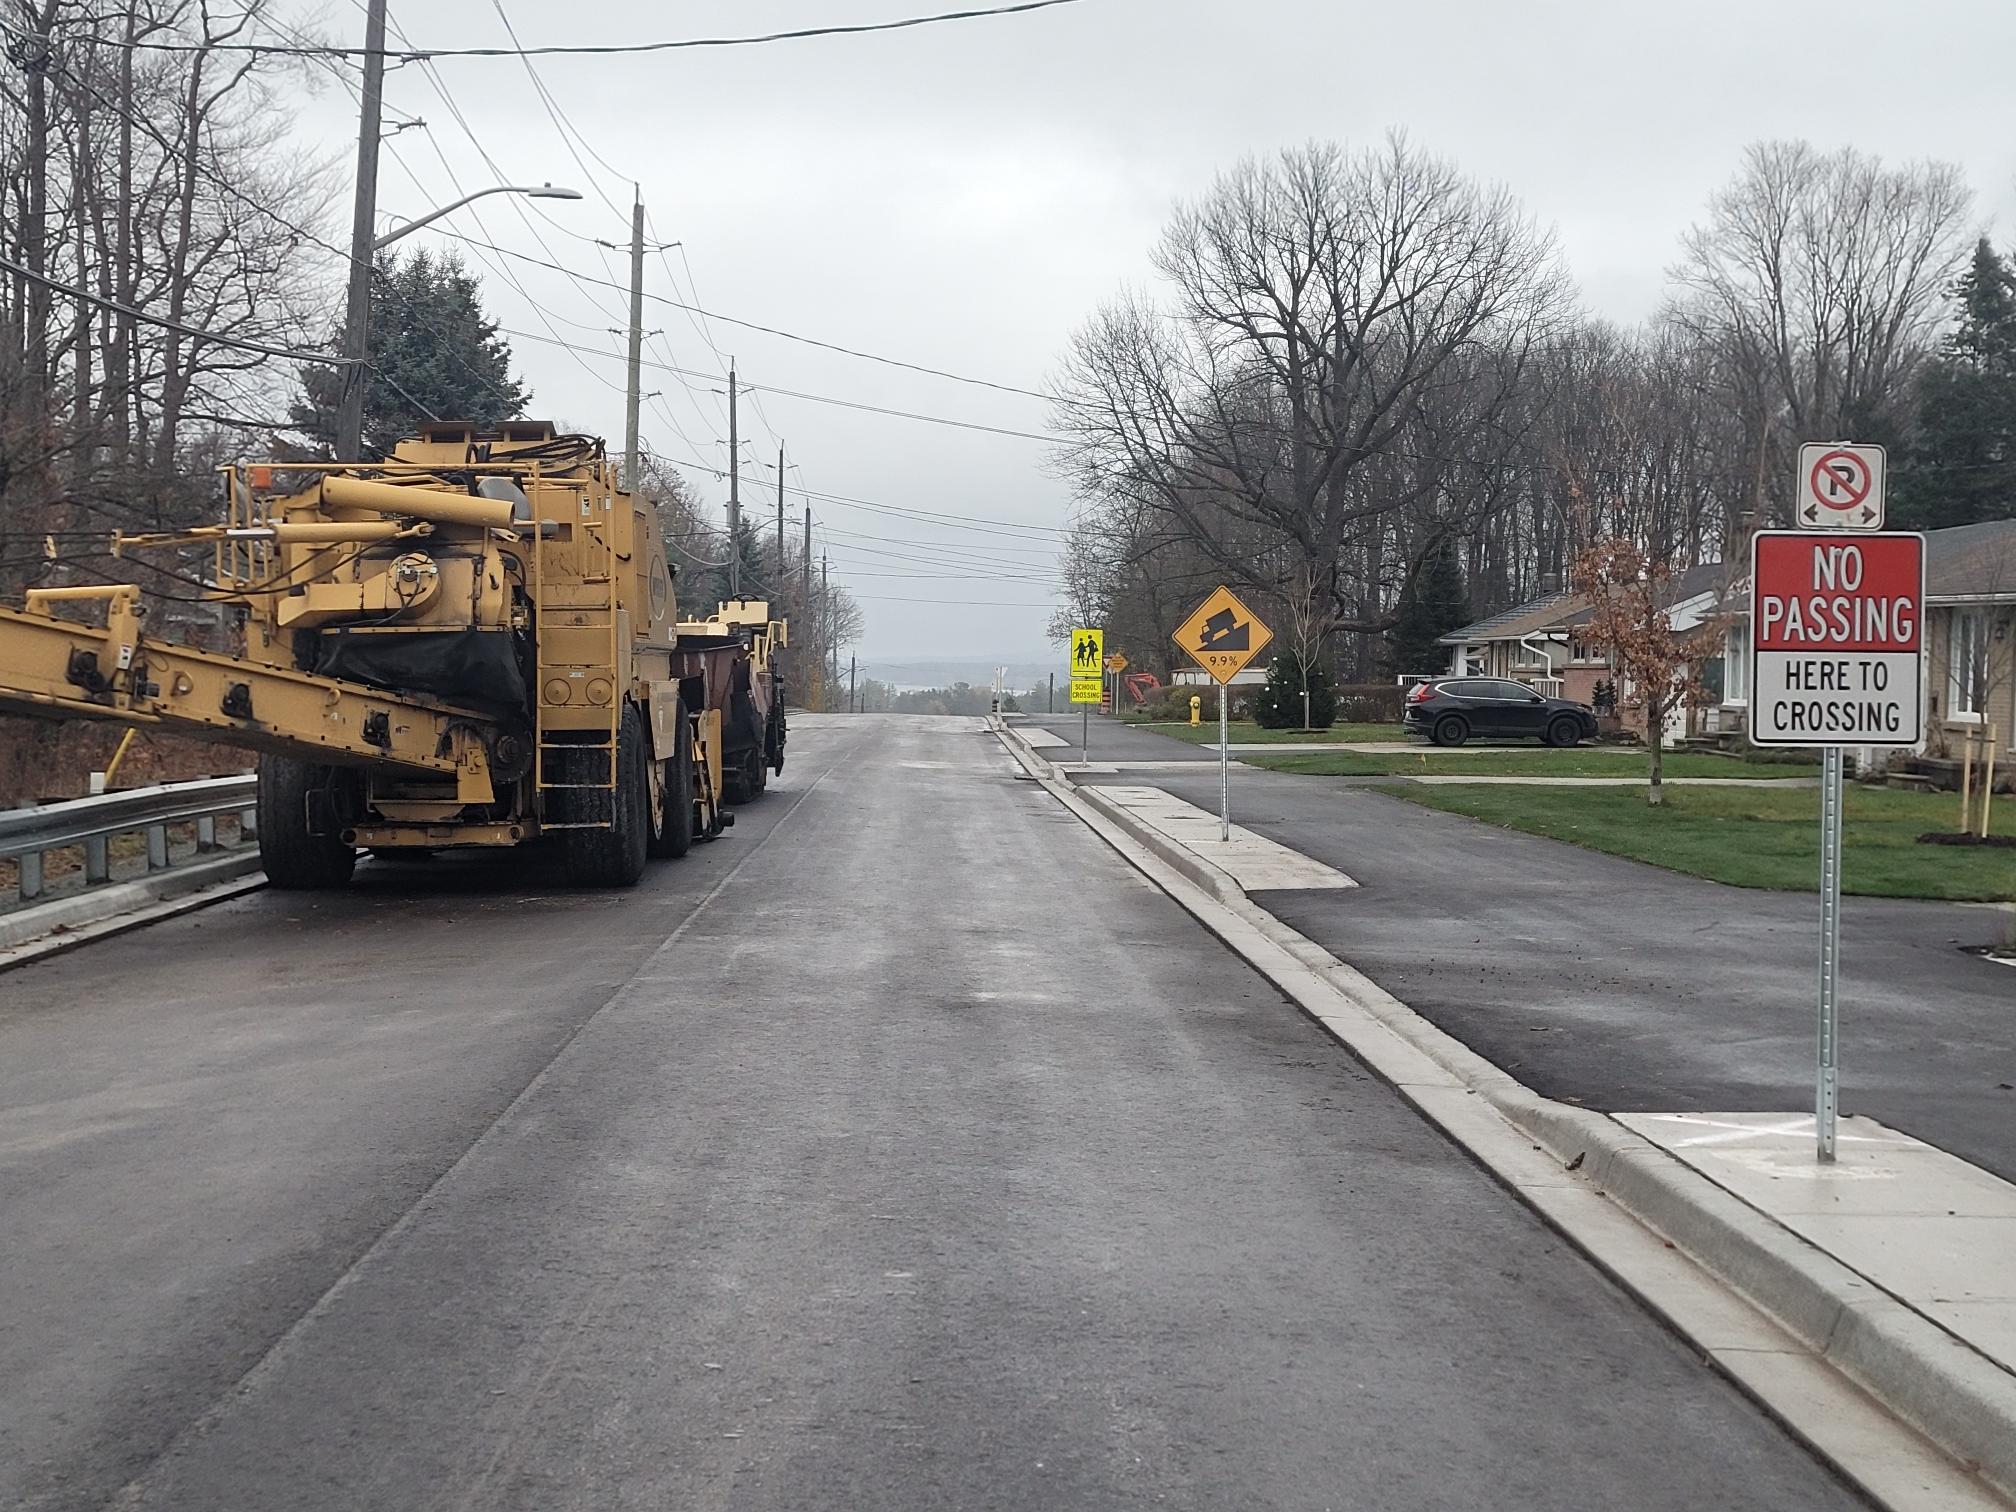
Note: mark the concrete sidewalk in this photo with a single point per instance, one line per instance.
(1931, 1230)
(1891, 1265)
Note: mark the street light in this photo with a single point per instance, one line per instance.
(364, 246)
(544, 191)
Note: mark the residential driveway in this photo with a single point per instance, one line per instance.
(1618, 985)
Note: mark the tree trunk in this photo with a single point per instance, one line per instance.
(175, 363)
(119, 353)
(1655, 740)
(35, 225)
(83, 402)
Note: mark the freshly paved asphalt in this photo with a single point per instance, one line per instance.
(1619, 985)
(903, 1150)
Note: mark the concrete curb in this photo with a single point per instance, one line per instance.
(1212, 879)
(66, 923)
(1930, 1378)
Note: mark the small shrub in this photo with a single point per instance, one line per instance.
(1278, 703)
(1370, 703)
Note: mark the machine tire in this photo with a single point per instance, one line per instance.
(1564, 731)
(1450, 730)
(295, 859)
(614, 857)
(672, 836)
(758, 776)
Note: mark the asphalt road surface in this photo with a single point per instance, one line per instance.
(902, 1150)
(1624, 987)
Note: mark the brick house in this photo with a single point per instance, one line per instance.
(1542, 643)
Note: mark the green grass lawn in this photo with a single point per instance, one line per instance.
(1245, 732)
(1754, 837)
(1538, 761)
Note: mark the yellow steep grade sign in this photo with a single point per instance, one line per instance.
(1088, 665)
(1223, 635)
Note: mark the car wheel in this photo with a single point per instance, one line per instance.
(1451, 730)
(1564, 732)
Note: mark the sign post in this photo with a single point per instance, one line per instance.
(1115, 665)
(1088, 680)
(1223, 635)
(1837, 641)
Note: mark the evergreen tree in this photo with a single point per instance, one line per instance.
(433, 350)
(1961, 467)
(1431, 605)
(1278, 704)
(759, 565)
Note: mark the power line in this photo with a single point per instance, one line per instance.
(555, 114)
(977, 524)
(974, 524)
(883, 598)
(784, 393)
(175, 150)
(413, 54)
(767, 330)
(195, 333)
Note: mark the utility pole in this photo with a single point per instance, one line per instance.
(633, 394)
(780, 518)
(734, 493)
(826, 608)
(363, 214)
(850, 684)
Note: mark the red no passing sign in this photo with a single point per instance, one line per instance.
(1837, 626)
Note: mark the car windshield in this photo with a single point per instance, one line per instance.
(1048, 755)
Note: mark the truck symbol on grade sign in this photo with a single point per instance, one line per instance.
(1837, 639)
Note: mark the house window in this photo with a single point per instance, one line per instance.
(1580, 650)
(1966, 664)
(1736, 666)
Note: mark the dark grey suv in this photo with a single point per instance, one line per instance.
(1450, 710)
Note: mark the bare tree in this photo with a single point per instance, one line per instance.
(156, 181)
(1342, 344)
(1819, 278)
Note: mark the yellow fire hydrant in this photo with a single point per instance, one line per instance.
(1196, 709)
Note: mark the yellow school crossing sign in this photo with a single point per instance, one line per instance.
(1223, 635)
(1088, 665)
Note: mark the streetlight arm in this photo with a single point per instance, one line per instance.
(544, 191)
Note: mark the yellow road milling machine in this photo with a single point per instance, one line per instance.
(472, 643)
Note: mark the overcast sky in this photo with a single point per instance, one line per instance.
(961, 196)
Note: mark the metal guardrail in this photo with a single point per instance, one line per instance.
(27, 835)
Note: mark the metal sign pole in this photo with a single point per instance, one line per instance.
(1827, 1092)
(1084, 734)
(1224, 770)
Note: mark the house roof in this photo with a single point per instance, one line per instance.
(1543, 613)
(1971, 561)
(1702, 577)
(1559, 611)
